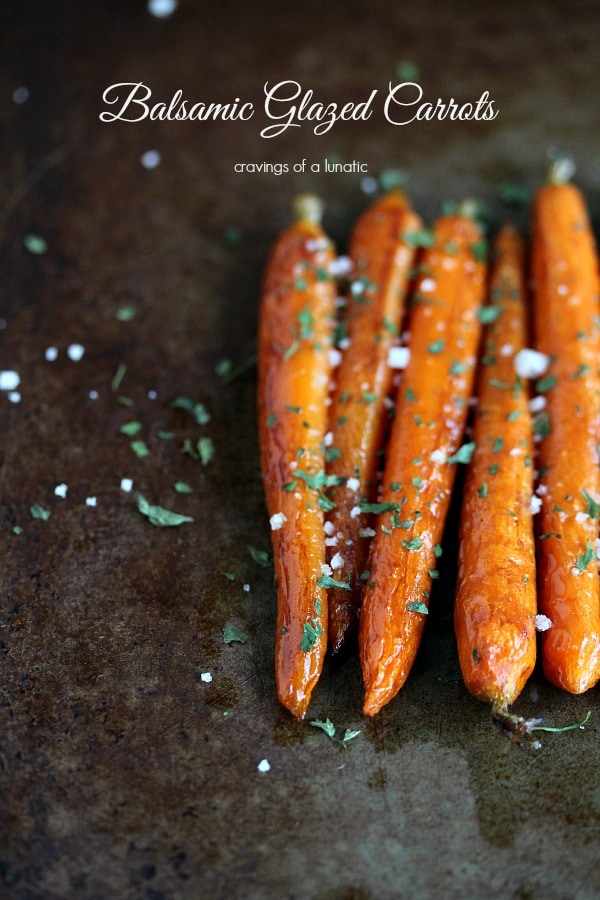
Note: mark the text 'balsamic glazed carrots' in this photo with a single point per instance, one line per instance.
(382, 251)
(295, 333)
(495, 608)
(422, 454)
(566, 291)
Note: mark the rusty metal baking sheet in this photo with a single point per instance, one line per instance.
(132, 736)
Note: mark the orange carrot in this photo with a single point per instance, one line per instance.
(566, 290)
(294, 369)
(423, 449)
(494, 613)
(382, 249)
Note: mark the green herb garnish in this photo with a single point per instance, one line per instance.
(159, 516)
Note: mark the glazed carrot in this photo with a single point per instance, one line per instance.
(295, 334)
(566, 289)
(496, 604)
(382, 250)
(421, 458)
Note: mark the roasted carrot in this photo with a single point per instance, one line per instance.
(424, 446)
(382, 249)
(496, 603)
(566, 291)
(294, 368)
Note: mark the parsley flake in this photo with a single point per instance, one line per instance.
(419, 607)
(545, 384)
(140, 448)
(311, 631)
(261, 557)
(131, 428)
(592, 508)
(378, 508)
(159, 516)
(38, 512)
(182, 487)
(489, 314)
(206, 450)
(436, 346)
(585, 559)
(326, 581)
(424, 237)
(415, 544)
(463, 454)
(231, 635)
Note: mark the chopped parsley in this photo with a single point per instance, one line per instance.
(498, 445)
(424, 237)
(463, 454)
(541, 423)
(326, 581)
(182, 487)
(489, 314)
(479, 251)
(261, 557)
(415, 544)
(483, 490)
(131, 428)
(592, 508)
(231, 635)
(271, 420)
(585, 559)
(198, 410)
(436, 346)
(311, 631)
(206, 450)
(38, 512)
(457, 368)
(545, 384)
(419, 607)
(140, 448)
(157, 515)
(378, 508)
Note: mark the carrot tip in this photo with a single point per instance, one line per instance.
(512, 724)
(308, 207)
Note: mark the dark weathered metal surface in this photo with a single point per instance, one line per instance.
(124, 773)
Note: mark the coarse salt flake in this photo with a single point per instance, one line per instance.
(14, 397)
(366, 532)
(536, 404)
(344, 343)
(162, 8)
(20, 95)
(75, 352)
(246, 588)
(328, 439)
(531, 363)
(277, 520)
(264, 766)
(206, 677)
(353, 484)
(506, 350)
(152, 395)
(355, 511)
(331, 541)
(61, 490)
(542, 623)
(334, 356)
(337, 561)
(9, 380)
(398, 357)
(126, 484)
(427, 285)
(51, 353)
(150, 159)
(328, 527)
(93, 395)
(535, 505)
(91, 501)
(341, 265)
(325, 569)
(438, 456)
(369, 185)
